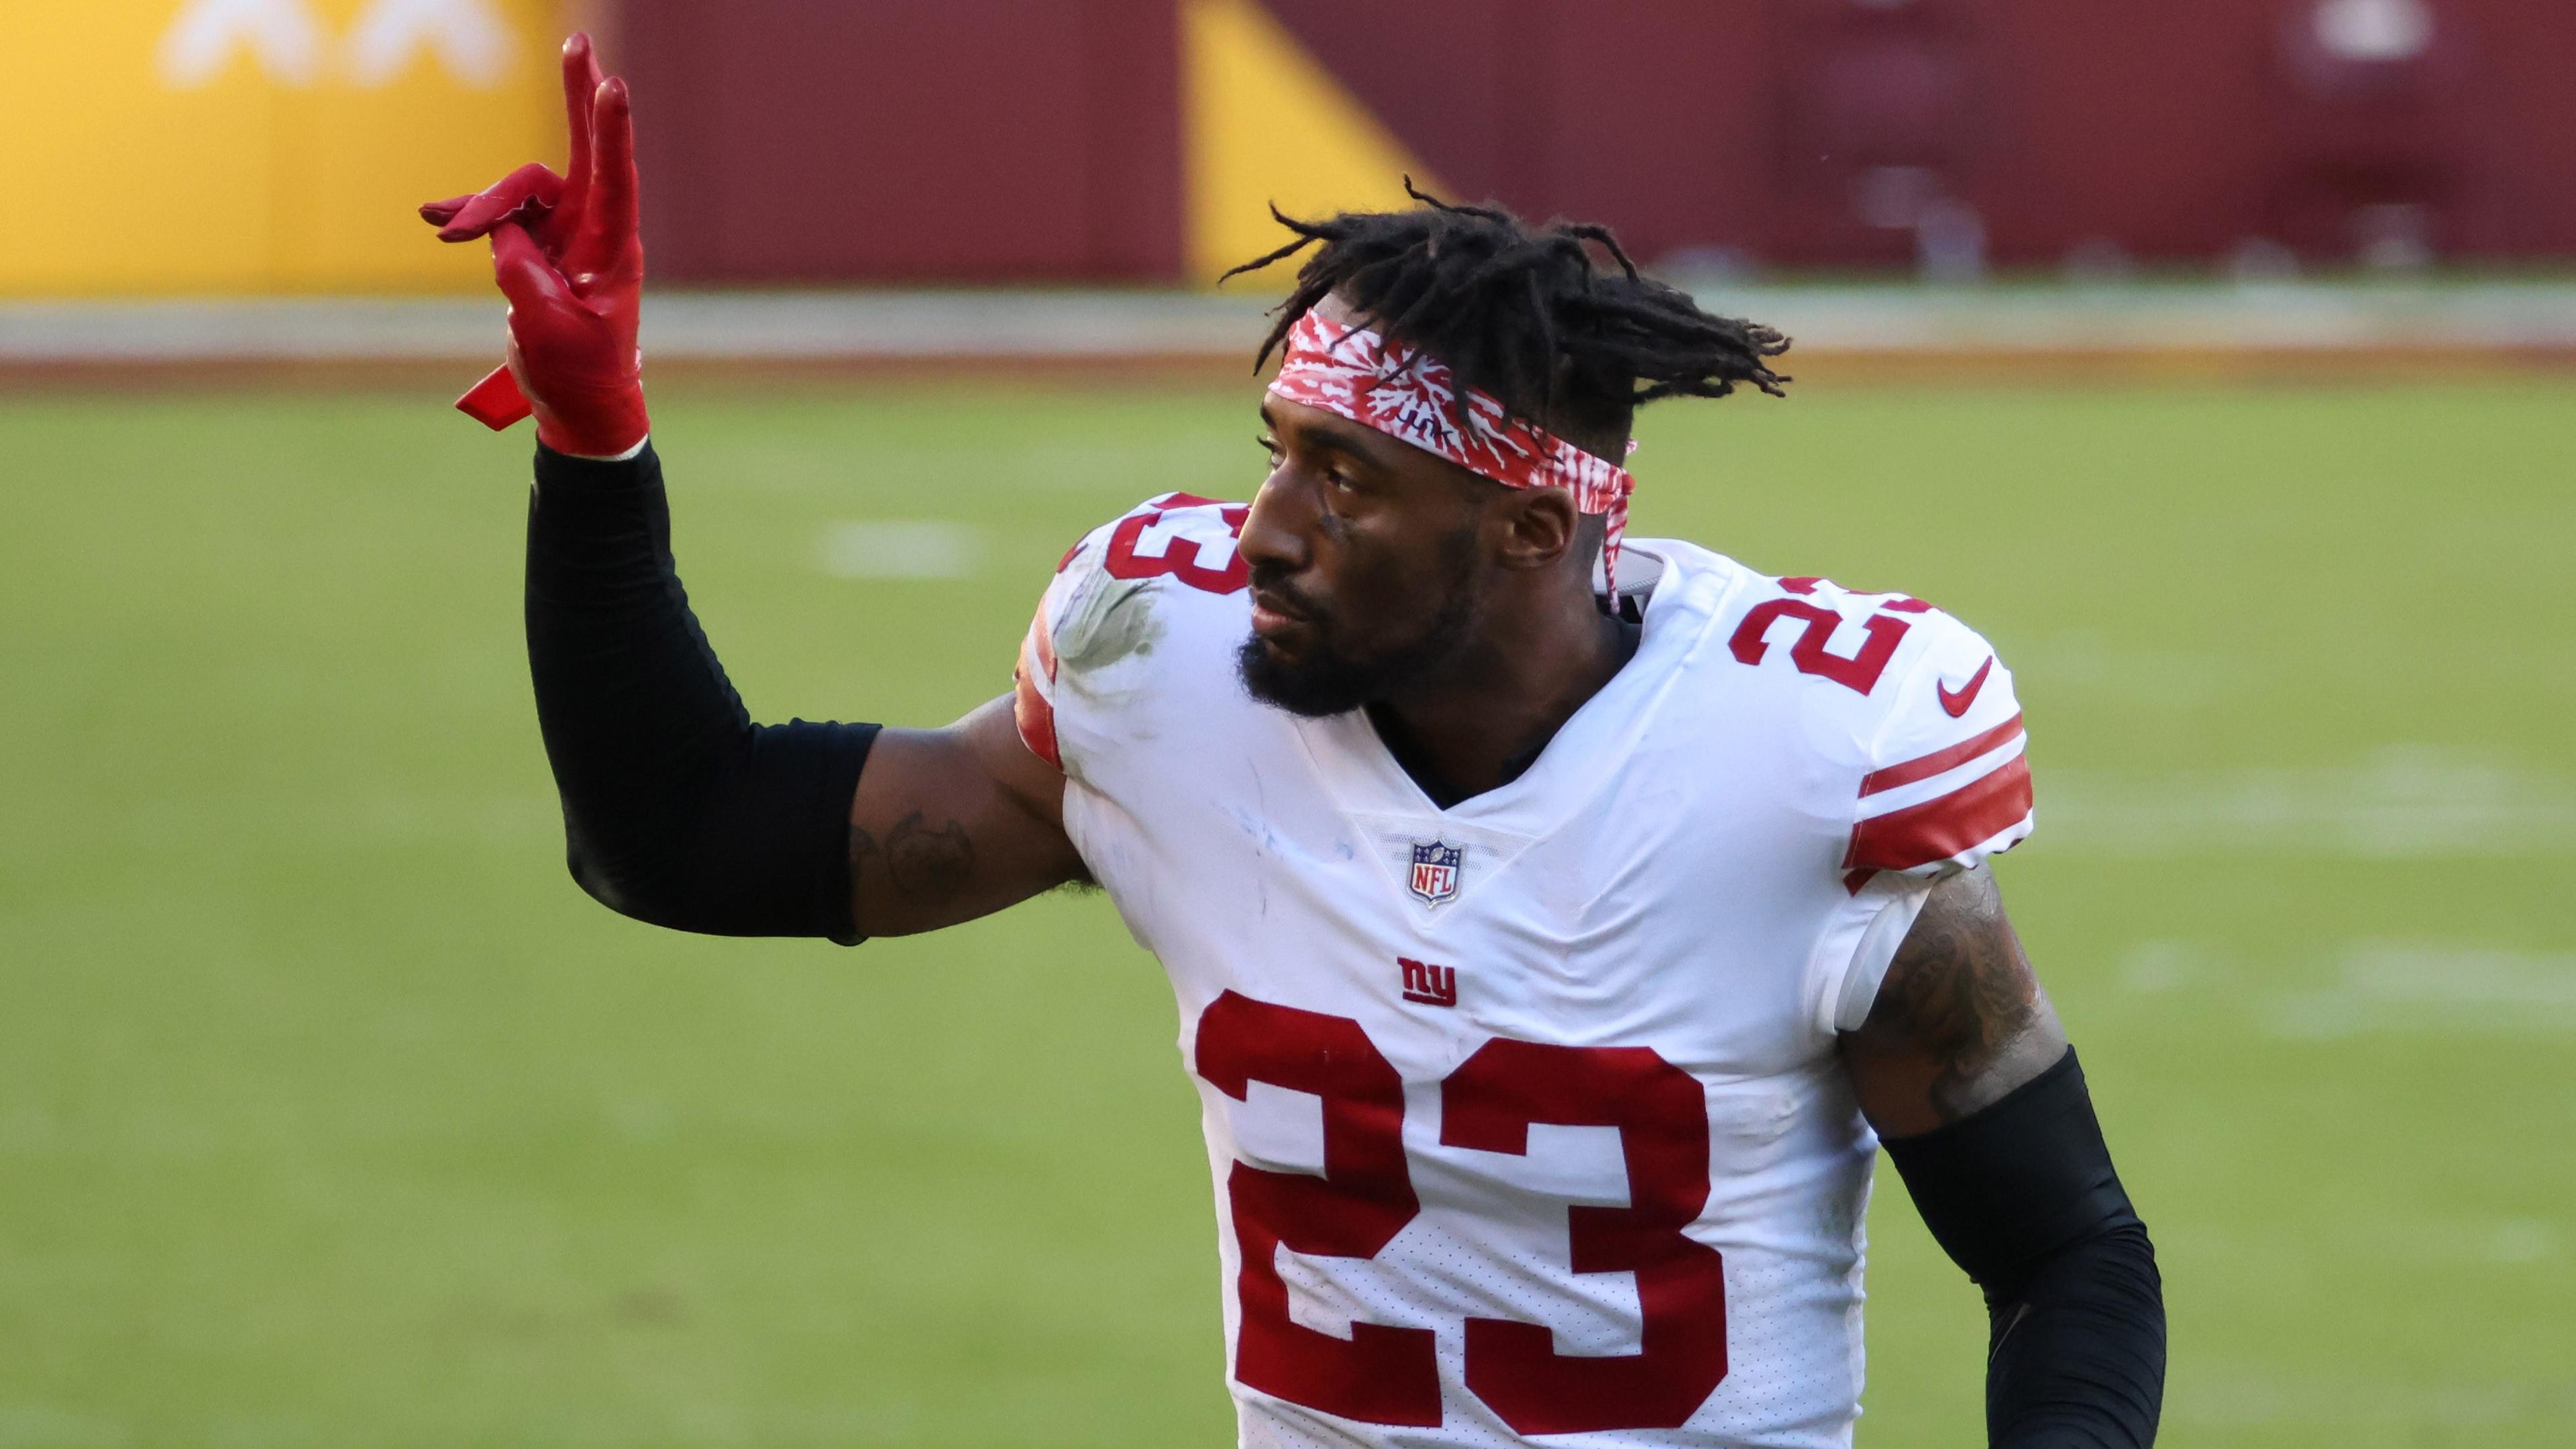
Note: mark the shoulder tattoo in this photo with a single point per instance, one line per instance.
(1961, 993)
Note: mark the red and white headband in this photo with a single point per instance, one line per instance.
(1400, 391)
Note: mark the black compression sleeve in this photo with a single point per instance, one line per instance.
(2023, 1196)
(678, 810)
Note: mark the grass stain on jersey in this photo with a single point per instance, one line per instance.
(1110, 620)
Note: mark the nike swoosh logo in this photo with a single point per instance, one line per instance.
(1957, 704)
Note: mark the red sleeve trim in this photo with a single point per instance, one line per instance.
(1938, 829)
(1031, 710)
(1926, 766)
(1040, 645)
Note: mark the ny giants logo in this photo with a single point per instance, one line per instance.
(1435, 871)
(1428, 984)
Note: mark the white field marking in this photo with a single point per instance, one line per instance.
(388, 818)
(2468, 1242)
(2312, 316)
(2523, 1240)
(2143, 679)
(2237, 1397)
(2405, 802)
(2157, 967)
(31, 1424)
(639, 1119)
(2450, 1243)
(899, 549)
(2416, 989)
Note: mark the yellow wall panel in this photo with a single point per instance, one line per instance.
(113, 177)
(161, 146)
(1265, 122)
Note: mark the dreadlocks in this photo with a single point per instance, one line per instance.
(1520, 313)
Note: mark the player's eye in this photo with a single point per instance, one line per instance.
(1269, 445)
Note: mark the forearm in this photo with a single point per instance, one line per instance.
(2076, 1355)
(678, 810)
(2023, 1196)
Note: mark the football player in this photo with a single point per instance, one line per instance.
(1457, 818)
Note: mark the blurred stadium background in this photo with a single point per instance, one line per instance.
(2213, 357)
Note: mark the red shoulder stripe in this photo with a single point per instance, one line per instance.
(1041, 644)
(1031, 710)
(1938, 829)
(1924, 767)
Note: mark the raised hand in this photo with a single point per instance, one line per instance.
(550, 209)
(573, 316)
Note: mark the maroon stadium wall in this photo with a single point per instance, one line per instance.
(907, 140)
(1021, 140)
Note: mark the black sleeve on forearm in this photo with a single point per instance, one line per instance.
(678, 810)
(2022, 1195)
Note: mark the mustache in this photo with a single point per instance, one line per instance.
(1272, 587)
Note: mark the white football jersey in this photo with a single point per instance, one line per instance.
(1525, 1114)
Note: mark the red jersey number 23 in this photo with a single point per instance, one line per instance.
(1386, 1375)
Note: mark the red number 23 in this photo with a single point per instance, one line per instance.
(1387, 1375)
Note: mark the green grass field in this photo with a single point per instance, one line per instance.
(331, 1114)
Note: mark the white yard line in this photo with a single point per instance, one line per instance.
(2404, 802)
(863, 326)
(900, 549)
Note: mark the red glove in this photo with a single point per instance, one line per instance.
(566, 252)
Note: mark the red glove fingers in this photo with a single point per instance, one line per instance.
(573, 319)
(533, 194)
(581, 81)
(606, 240)
(526, 196)
(547, 206)
(523, 196)
(535, 289)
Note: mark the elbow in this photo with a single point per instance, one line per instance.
(745, 838)
(629, 893)
(712, 881)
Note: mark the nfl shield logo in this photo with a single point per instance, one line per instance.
(1435, 871)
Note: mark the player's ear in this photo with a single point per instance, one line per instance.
(1539, 527)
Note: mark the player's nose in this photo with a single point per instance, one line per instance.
(1277, 536)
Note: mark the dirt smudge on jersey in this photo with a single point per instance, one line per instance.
(1110, 620)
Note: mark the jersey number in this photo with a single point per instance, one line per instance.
(1859, 672)
(1385, 1375)
(1183, 535)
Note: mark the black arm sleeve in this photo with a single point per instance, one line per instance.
(678, 810)
(2022, 1195)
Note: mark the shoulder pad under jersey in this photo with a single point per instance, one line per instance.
(1943, 783)
(1100, 611)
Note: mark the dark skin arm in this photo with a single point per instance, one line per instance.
(950, 824)
(1960, 1019)
(2021, 1194)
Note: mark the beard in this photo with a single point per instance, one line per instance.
(1335, 677)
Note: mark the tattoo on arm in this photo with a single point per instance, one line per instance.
(1960, 1019)
(1963, 998)
(927, 864)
